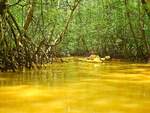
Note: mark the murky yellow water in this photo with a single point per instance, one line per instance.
(77, 87)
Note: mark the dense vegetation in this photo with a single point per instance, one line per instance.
(35, 31)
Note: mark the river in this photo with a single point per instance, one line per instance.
(77, 87)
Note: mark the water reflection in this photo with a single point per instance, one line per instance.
(77, 87)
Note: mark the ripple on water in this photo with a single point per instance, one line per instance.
(77, 87)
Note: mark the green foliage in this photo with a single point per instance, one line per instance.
(101, 26)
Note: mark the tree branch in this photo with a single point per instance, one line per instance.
(15, 3)
(61, 36)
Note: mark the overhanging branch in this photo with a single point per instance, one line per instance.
(15, 3)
